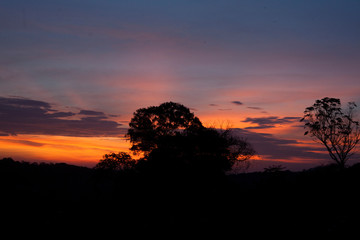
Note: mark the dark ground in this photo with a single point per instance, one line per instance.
(61, 199)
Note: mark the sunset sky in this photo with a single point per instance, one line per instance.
(72, 72)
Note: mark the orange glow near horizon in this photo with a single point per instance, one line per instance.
(87, 151)
(83, 151)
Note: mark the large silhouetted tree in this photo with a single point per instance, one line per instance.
(149, 125)
(334, 127)
(173, 139)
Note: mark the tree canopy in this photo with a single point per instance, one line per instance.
(149, 125)
(333, 127)
(172, 137)
(116, 161)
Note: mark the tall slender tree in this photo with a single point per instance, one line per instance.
(326, 122)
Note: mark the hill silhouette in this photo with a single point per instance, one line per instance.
(321, 201)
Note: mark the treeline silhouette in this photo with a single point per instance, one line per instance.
(179, 186)
(321, 201)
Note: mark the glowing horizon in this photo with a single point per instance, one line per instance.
(84, 67)
(82, 137)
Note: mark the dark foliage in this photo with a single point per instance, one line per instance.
(333, 127)
(171, 139)
(116, 161)
(178, 188)
(60, 198)
(148, 125)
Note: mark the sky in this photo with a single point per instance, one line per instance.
(72, 72)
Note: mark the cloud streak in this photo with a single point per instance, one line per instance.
(269, 122)
(26, 116)
(91, 113)
(237, 103)
(280, 149)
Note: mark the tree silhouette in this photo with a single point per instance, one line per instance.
(173, 139)
(333, 127)
(116, 161)
(274, 169)
(149, 125)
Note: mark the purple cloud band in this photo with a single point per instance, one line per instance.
(269, 122)
(279, 149)
(26, 116)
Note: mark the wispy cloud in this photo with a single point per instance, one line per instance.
(255, 108)
(237, 103)
(25, 142)
(26, 116)
(269, 122)
(271, 147)
(91, 113)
